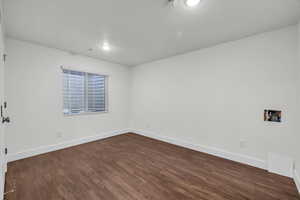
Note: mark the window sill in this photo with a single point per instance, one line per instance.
(85, 113)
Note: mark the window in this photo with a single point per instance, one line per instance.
(84, 92)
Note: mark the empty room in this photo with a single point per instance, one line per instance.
(149, 100)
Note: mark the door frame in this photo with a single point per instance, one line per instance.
(3, 163)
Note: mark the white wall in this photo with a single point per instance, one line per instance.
(34, 93)
(216, 96)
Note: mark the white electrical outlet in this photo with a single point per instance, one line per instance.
(59, 134)
(243, 144)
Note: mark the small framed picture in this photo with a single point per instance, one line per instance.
(272, 115)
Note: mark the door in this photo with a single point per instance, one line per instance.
(2, 143)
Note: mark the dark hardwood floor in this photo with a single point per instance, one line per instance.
(133, 167)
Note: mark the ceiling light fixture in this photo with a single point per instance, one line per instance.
(192, 3)
(105, 46)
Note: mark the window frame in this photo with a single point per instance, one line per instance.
(106, 99)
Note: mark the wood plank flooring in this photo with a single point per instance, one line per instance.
(133, 167)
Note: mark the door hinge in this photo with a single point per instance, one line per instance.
(5, 104)
(4, 57)
(5, 151)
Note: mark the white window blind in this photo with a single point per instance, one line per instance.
(84, 92)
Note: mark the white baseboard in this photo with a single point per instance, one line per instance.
(297, 180)
(209, 150)
(54, 147)
(281, 164)
(1, 187)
